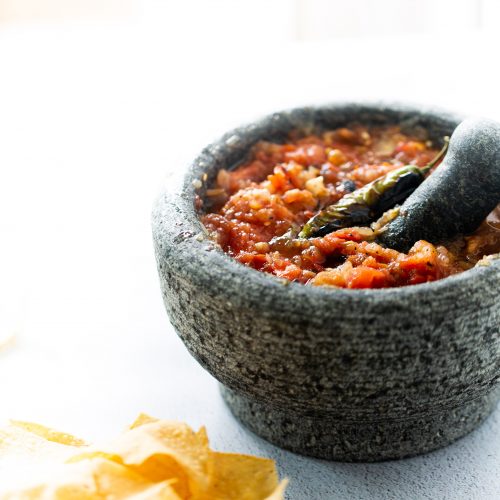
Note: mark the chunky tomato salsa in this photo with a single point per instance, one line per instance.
(256, 211)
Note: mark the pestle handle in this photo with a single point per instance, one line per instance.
(460, 193)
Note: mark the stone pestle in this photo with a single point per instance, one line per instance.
(460, 193)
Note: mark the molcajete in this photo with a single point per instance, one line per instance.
(354, 375)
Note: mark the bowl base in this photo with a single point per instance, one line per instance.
(358, 441)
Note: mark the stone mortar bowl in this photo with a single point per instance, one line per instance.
(351, 375)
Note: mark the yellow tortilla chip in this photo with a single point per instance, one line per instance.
(279, 492)
(49, 434)
(161, 450)
(24, 454)
(160, 491)
(94, 479)
(142, 419)
(241, 477)
(153, 459)
(31, 451)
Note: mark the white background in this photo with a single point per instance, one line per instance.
(97, 103)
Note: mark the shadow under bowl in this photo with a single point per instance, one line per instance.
(352, 375)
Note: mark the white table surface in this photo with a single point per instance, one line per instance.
(91, 120)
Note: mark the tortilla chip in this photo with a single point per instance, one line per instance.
(24, 454)
(49, 434)
(279, 492)
(241, 477)
(94, 479)
(142, 419)
(153, 459)
(160, 451)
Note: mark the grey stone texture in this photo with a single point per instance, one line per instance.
(459, 195)
(353, 375)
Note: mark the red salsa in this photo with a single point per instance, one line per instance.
(281, 186)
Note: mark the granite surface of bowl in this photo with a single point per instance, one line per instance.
(354, 375)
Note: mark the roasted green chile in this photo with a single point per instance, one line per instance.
(368, 203)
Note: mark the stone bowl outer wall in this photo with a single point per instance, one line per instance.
(333, 373)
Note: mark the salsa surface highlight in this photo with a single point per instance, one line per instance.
(255, 211)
